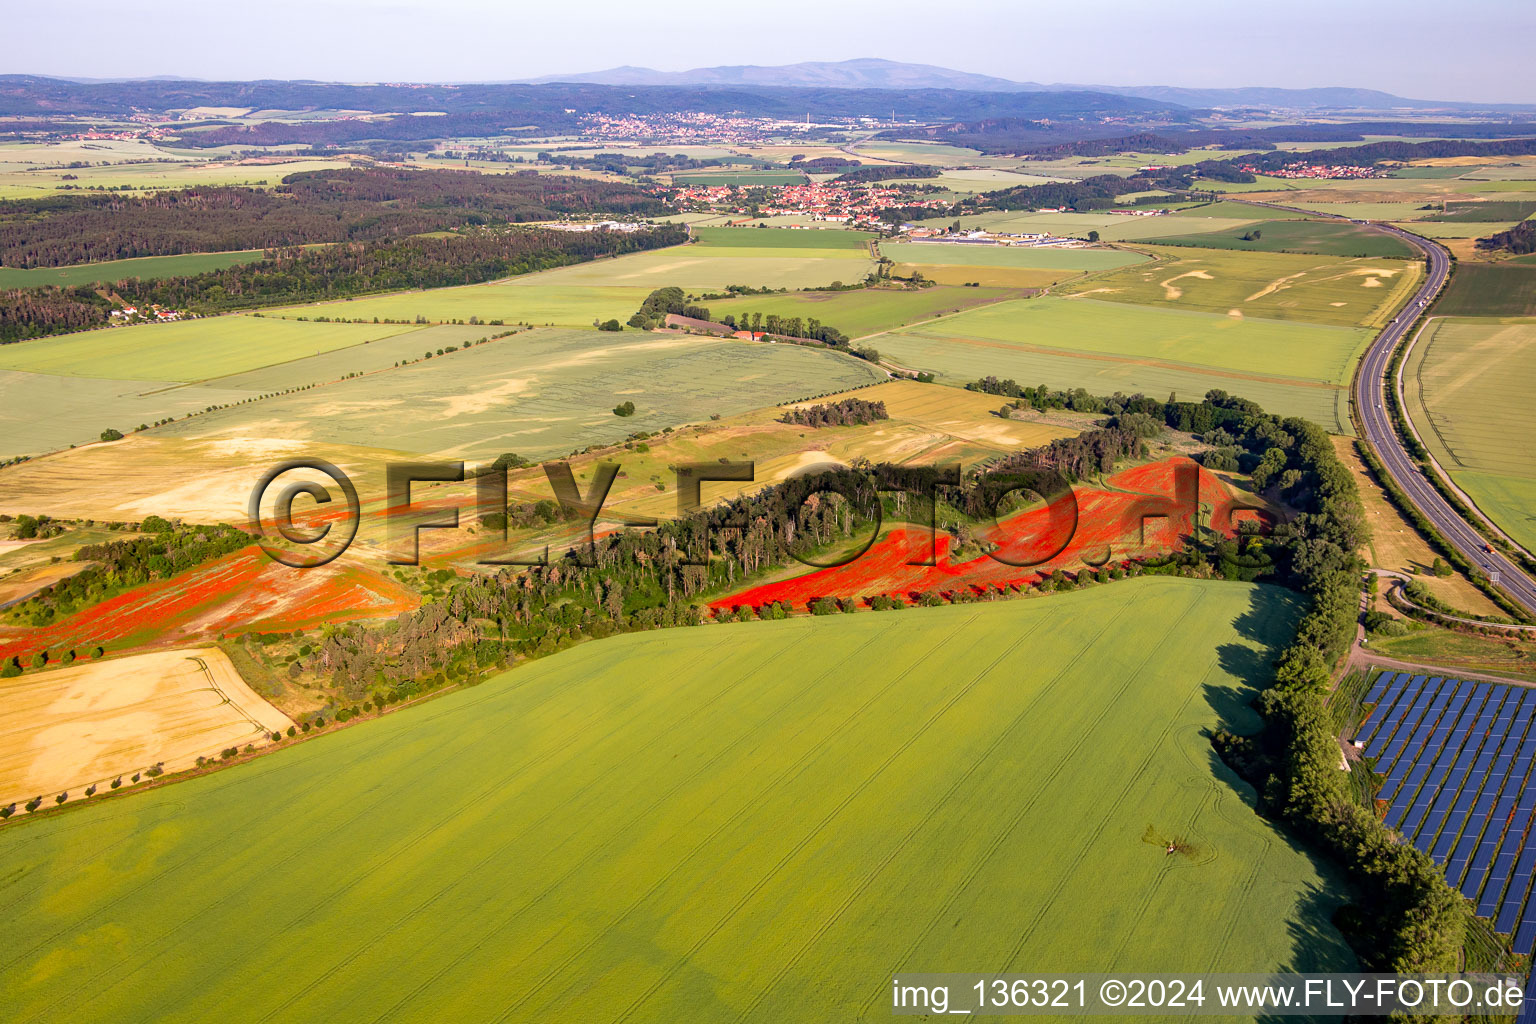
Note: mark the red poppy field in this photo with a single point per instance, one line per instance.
(1144, 511)
(244, 592)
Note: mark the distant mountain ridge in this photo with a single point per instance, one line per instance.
(876, 73)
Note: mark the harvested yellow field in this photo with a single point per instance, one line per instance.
(67, 729)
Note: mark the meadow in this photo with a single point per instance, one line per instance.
(1332, 290)
(1489, 289)
(540, 393)
(699, 835)
(147, 268)
(1469, 388)
(1328, 238)
(187, 350)
(1289, 368)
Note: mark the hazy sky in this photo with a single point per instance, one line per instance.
(1468, 50)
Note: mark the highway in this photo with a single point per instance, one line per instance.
(1371, 407)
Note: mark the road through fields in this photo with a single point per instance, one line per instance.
(1370, 401)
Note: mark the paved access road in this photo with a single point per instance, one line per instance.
(1371, 404)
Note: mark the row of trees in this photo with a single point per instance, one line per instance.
(357, 204)
(298, 274)
(1408, 919)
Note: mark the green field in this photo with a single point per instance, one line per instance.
(41, 412)
(1281, 286)
(1327, 238)
(1025, 256)
(667, 826)
(44, 411)
(541, 394)
(1289, 368)
(19, 181)
(1469, 393)
(863, 311)
(1489, 289)
(1455, 228)
(1223, 208)
(189, 350)
(147, 268)
(780, 238)
(508, 301)
(1487, 210)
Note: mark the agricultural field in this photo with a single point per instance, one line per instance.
(711, 268)
(147, 268)
(1290, 368)
(539, 393)
(1224, 209)
(1347, 292)
(510, 301)
(1489, 289)
(1327, 238)
(928, 424)
(1021, 256)
(70, 728)
(36, 172)
(861, 792)
(1468, 391)
(759, 238)
(242, 592)
(188, 350)
(1486, 210)
(863, 311)
(1455, 228)
(200, 481)
(1088, 325)
(1111, 227)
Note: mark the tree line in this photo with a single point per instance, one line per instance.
(1520, 239)
(297, 274)
(356, 204)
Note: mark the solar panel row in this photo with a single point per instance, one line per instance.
(1457, 758)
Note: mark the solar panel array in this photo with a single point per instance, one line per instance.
(1457, 756)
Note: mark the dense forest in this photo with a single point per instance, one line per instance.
(298, 274)
(1520, 239)
(356, 204)
(888, 171)
(1374, 152)
(1025, 137)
